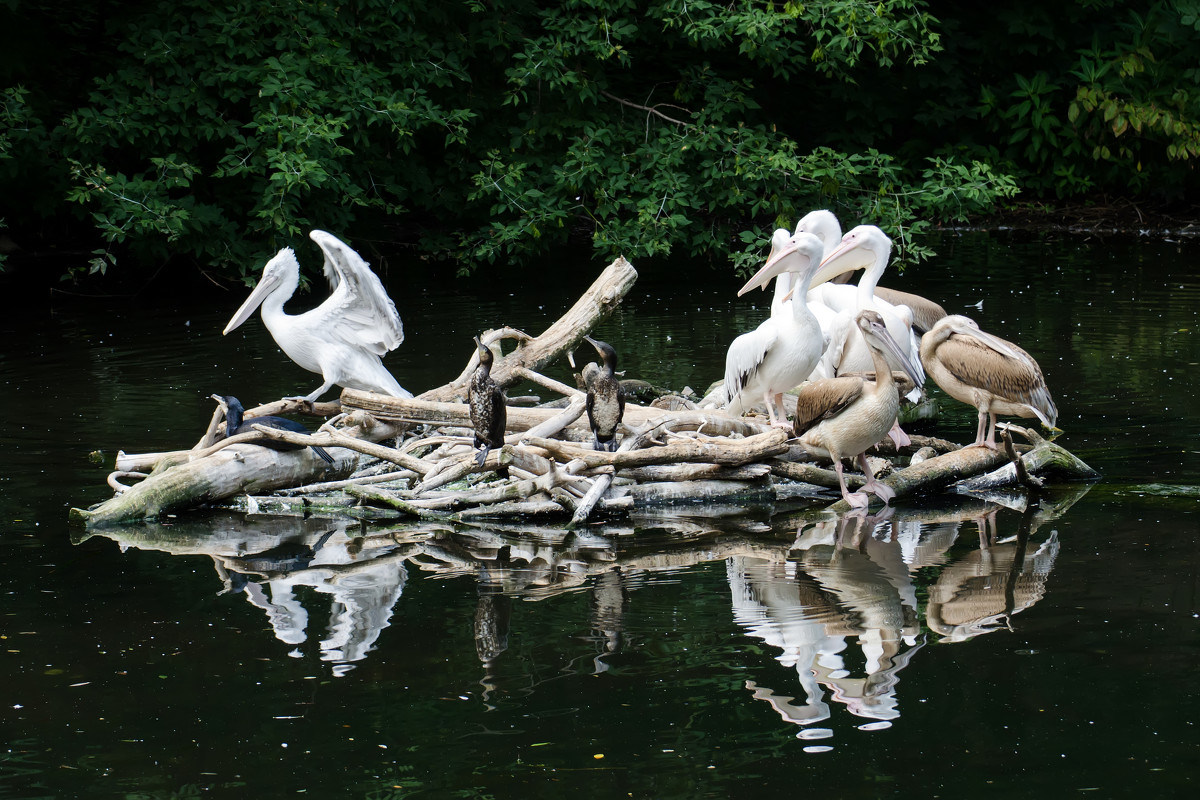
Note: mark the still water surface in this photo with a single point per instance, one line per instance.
(704, 654)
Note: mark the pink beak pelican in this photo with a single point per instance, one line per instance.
(841, 417)
(986, 372)
(344, 338)
(782, 351)
(825, 226)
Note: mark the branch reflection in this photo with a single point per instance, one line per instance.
(835, 598)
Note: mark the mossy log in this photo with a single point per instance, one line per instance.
(956, 468)
(229, 471)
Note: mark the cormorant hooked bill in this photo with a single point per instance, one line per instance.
(235, 424)
(605, 400)
(486, 400)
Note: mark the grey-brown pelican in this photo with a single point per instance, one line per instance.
(485, 399)
(763, 364)
(605, 400)
(342, 339)
(986, 372)
(842, 417)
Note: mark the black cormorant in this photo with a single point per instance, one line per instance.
(486, 400)
(234, 424)
(605, 400)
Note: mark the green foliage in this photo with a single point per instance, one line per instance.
(494, 132)
(1116, 112)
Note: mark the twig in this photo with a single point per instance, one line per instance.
(648, 109)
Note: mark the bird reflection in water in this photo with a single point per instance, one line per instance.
(364, 586)
(980, 592)
(842, 607)
(843, 598)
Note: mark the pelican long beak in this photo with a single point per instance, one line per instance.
(917, 376)
(846, 257)
(776, 264)
(264, 288)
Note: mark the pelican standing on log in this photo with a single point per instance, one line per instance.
(986, 372)
(342, 339)
(485, 399)
(605, 400)
(842, 417)
(235, 423)
(782, 351)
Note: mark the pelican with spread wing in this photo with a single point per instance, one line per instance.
(344, 338)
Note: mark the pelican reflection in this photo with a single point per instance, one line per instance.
(842, 611)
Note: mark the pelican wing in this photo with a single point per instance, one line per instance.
(359, 311)
(824, 399)
(975, 362)
(746, 355)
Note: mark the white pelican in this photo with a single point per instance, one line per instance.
(825, 226)
(782, 351)
(987, 372)
(841, 417)
(343, 338)
(865, 246)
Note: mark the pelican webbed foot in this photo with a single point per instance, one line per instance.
(880, 490)
(898, 436)
(857, 500)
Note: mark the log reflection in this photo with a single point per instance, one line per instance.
(836, 598)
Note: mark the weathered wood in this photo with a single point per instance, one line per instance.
(329, 439)
(810, 473)
(549, 383)
(147, 462)
(1045, 457)
(733, 452)
(596, 304)
(371, 494)
(232, 470)
(696, 471)
(239, 469)
(702, 491)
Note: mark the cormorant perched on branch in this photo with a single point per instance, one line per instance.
(605, 400)
(486, 401)
(235, 424)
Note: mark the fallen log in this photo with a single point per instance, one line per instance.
(232, 470)
(696, 471)
(1045, 457)
(732, 452)
(702, 491)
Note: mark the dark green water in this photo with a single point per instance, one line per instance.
(710, 655)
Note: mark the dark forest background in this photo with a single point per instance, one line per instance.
(199, 137)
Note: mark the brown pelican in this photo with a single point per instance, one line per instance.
(605, 400)
(235, 424)
(343, 338)
(486, 401)
(987, 372)
(782, 351)
(842, 417)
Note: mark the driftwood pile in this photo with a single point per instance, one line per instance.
(670, 452)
